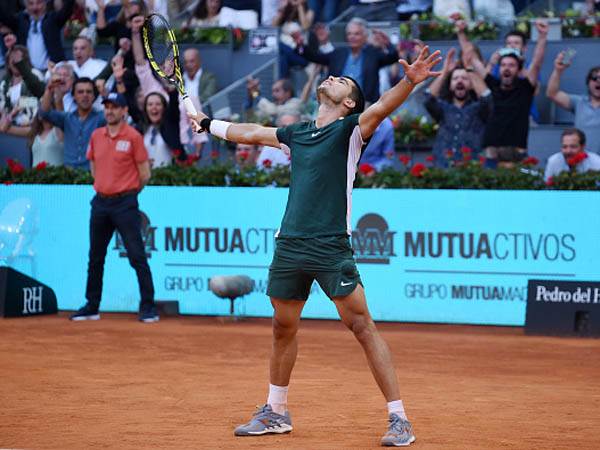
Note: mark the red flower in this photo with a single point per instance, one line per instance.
(15, 167)
(177, 153)
(267, 163)
(41, 166)
(576, 159)
(191, 159)
(243, 155)
(449, 153)
(366, 169)
(214, 154)
(550, 181)
(404, 159)
(466, 150)
(531, 161)
(481, 160)
(430, 158)
(417, 170)
(467, 157)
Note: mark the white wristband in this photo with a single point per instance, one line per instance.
(219, 128)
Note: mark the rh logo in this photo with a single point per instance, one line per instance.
(32, 300)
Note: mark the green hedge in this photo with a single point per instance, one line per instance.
(467, 175)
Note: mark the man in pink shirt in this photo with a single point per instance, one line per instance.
(120, 167)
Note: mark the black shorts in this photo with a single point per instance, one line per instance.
(297, 262)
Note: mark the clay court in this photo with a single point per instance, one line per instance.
(184, 383)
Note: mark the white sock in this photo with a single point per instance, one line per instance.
(397, 407)
(278, 398)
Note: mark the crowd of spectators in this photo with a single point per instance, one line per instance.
(485, 106)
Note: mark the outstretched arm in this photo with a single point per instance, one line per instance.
(538, 53)
(414, 73)
(553, 91)
(242, 133)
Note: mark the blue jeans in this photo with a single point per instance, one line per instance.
(121, 214)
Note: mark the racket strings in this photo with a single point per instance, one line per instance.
(161, 45)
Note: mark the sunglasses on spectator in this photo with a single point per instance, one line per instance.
(595, 78)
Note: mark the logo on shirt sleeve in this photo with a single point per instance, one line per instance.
(123, 146)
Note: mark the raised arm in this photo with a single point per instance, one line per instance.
(101, 15)
(553, 91)
(63, 14)
(136, 40)
(414, 73)
(538, 54)
(242, 133)
(449, 65)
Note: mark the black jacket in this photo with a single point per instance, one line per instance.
(52, 25)
(373, 60)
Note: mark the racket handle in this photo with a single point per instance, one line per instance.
(189, 105)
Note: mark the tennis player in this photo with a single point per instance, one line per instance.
(313, 241)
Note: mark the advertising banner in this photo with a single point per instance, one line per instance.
(451, 256)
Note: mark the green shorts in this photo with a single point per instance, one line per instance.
(297, 262)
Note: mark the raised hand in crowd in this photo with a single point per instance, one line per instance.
(559, 63)
(136, 23)
(101, 86)
(124, 45)
(380, 39)
(449, 65)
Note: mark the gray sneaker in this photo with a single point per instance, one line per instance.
(265, 421)
(399, 434)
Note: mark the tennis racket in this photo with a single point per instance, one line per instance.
(161, 48)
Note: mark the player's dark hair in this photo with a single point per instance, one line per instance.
(574, 132)
(85, 80)
(357, 95)
(517, 33)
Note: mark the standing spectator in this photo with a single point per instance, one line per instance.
(293, 18)
(119, 28)
(18, 94)
(515, 40)
(47, 143)
(462, 113)
(78, 125)
(284, 101)
(83, 63)
(198, 81)
(381, 146)
(359, 60)
(585, 107)
(40, 30)
(119, 165)
(161, 128)
(150, 84)
(64, 77)
(572, 155)
(505, 136)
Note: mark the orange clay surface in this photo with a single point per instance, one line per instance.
(186, 382)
